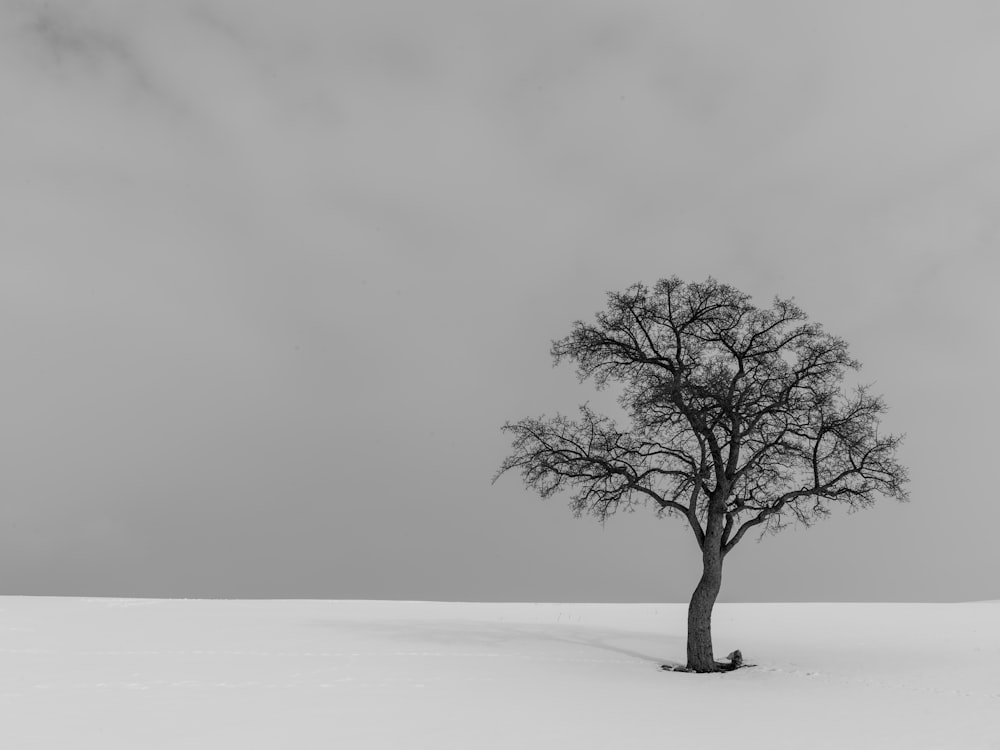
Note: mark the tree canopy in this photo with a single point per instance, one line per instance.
(739, 417)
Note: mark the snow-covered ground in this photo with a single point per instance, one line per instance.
(149, 673)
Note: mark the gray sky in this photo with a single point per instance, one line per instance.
(273, 277)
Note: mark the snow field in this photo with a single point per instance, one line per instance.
(120, 673)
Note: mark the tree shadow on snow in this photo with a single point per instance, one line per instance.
(634, 645)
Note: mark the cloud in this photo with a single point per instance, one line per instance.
(298, 250)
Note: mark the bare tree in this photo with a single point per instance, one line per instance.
(740, 419)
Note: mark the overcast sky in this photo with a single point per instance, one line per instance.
(272, 276)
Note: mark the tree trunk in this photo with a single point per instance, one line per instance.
(700, 657)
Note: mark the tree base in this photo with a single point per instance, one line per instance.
(735, 662)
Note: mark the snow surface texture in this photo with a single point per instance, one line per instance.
(133, 673)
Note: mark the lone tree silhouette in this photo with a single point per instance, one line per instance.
(739, 419)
